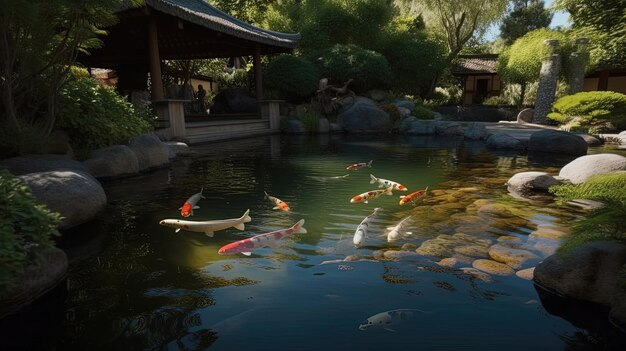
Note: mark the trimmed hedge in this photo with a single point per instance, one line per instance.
(294, 78)
(594, 110)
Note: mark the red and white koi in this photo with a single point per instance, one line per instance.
(361, 230)
(187, 209)
(412, 197)
(385, 183)
(280, 204)
(356, 166)
(208, 227)
(372, 194)
(396, 231)
(245, 246)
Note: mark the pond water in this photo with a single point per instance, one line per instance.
(136, 285)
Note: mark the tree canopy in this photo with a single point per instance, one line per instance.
(525, 16)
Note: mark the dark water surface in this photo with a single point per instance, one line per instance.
(136, 285)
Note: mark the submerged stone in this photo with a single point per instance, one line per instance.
(515, 258)
(527, 273)
(493, 267)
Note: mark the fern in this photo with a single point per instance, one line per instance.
(602, 187)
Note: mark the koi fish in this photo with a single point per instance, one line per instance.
(412, 196)
(361, 230)
(385, 183)
(187, 209)
(207, 227)
(372, 194)
(395, 231)
(280, 204)
(324, 179)
(262, 240)
(354, 166)
(387, 319)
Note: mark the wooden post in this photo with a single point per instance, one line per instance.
(257, 73)
(155, 61)
(603, 81)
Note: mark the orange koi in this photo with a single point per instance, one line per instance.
(356, 166)
(280, 204)
(370, 195)
(412, 196)
(187, 209)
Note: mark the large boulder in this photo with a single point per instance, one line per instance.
(112, 162)
(40, 163)
(76, 195)
(591, 272)
(323, 126)
(375, 94)
(448, 128)
(408, 104)
(150, 151)
(525, 182)
(405, 124)
(178, 149)
(476, 131)
(364, 116)
(421, 128)
(504, 141)
(555, 141)
(584, 167)
(234, 101)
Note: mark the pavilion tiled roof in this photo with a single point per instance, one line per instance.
(201, 13)
(475, 64)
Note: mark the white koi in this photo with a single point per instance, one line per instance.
(262, 240)
(361, 230)
(207, 227)
(386, 183)
(385, 320)
(397, 230)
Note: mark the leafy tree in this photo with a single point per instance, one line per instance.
(521, 62)
(525, 16)
(294, 78)
(251, 11)
(604, 22)
(39, 43)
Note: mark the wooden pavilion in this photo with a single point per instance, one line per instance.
(180, 30)
(479, 76)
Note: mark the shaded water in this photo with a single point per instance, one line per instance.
(134, 284)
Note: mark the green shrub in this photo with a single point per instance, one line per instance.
(423, 113)
(496, 101)
(605, 223)
(95, 116)
(369, 69)
(294, 78)
(310, 120)
(237, 79)
(26, 228)
(594, 110)
(392, 111)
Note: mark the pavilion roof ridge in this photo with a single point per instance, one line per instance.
(202, 13)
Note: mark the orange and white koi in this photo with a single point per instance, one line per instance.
(280, 204)
(245, 246)
(187, 209)
(370, 195)
(385, 183)
(412, 196)
(355, 166)
(207, 227)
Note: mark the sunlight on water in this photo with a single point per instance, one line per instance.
(139, 285)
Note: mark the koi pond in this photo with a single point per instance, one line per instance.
(136, 285)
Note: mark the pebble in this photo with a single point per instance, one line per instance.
(515, 258)
(526, 273)
(478, 274)
(493, 267)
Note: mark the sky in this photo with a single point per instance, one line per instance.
(560, 18)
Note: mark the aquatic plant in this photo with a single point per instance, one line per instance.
(605, 223)
(26, 228)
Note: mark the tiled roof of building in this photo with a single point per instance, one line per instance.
(201, 13)
(475, 64)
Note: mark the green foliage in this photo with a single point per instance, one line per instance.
(598, 110)
(294, 78)
(237, 79)
(26, 228)
(369, 69)
(496, 101)
(421, 112)
(95, 116)
(310, 120)
(605, 223)
(524, 17)
(392, 111)
(521, 62)
(251, 11)
(604, 22)
(38, 46)
(445, 96)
